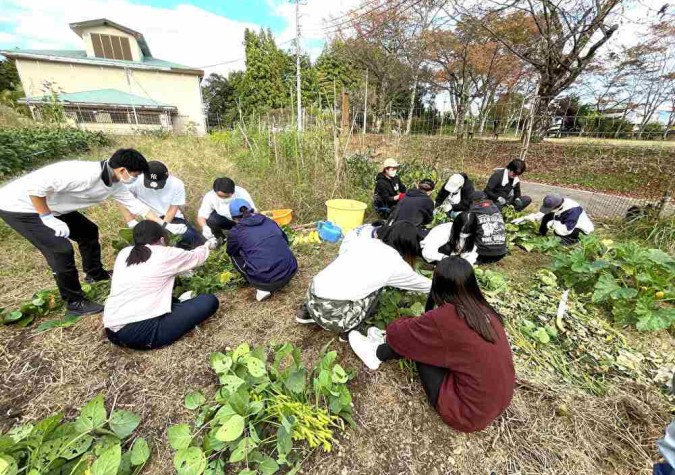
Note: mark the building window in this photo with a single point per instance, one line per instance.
(85, 116)
(111, 47)
(119, 117)
(148, 118)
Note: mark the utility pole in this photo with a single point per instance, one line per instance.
(297, 64)
(365, 106)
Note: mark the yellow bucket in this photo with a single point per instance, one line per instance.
(347, 214)
(281, 216)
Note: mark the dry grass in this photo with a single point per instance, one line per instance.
(397, 432)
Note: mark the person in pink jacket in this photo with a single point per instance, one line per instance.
(140, 312)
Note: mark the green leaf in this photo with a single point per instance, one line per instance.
(189, 461)
(140, 452)
(231, 429)
(8, 465)
(284, 442)
(240, 351)
(13, 316)
(215, 467)
(231, 383)
(179, 436)
(268, 466)
(339, 375)
(255, 407)
(92, 416)
(256, 368)
(108, 462)
(224, 413)
(247, 471)
(240, 401)
(220, 363)
(605, 287)
(244, 447)
(295, 382)
(20, 432)
(75, 447)
(541, 335)
(123, 423)
(194, 400)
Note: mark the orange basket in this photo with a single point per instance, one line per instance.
(281, 216)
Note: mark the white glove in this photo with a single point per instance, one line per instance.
(550, 224)
(211, 243)
(132, 224)
(175, 228)
(501, 201)
(60, 228)
(207, 233)
(518, 220)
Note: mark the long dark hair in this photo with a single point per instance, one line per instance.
(455, 283)
(465, 223)
(404, 237)
(145, 232)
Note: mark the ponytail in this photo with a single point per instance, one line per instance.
(146, 232)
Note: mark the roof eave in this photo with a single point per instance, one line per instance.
(28, 101)
(59, 59)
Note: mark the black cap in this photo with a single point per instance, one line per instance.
(156, 176)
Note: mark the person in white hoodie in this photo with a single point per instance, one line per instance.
(345, 293)
(140, 312)
(564, 216)
(43, 206)
(214, 213)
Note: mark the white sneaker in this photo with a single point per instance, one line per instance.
(261, 295)
(185, 296)
(364, 349)
(376, 335)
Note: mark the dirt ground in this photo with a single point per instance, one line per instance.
(397, 432)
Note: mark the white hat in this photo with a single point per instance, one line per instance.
(455, 182)
(390, 163)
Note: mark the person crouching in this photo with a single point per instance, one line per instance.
(259, 250)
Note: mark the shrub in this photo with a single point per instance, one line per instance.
(26, 148)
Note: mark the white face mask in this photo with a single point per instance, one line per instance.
(391, 172)
(130, 180)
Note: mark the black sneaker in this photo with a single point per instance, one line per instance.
(105, 275)
(84, 307)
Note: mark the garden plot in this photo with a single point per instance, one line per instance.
(589, 399)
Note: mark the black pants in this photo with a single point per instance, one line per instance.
(219, 223)
(432, 377)
(488, 259)
(518, 204)
(571, 238)
(59, 251)
(239, 265)
(165, 329)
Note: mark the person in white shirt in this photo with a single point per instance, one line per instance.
(140, 312)
(447, 239)
(345, 293)
(214, 214)
(365, 231)
(164, 193)
(564, 216)
(43, 207)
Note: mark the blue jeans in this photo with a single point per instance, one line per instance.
(163, 330)
(192, 238)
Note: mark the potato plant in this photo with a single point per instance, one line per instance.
(95, 443)
(268, 411)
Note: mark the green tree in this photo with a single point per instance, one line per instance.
(221, 98)
(334, 72)
(9, 76)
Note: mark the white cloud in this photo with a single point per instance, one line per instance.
(183, 34)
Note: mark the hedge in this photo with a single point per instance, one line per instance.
(26, 148)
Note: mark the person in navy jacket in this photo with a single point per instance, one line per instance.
(259, 249)
(564, 216)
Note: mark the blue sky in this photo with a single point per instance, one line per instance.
(197, 33)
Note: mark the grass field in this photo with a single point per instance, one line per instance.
(396, 433)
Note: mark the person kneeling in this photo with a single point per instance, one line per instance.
(259, 250)
(140, 312)
(564, 216)
(460, 347)
(447, 239)
(345, 293)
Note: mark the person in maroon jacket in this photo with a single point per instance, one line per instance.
(460, 347)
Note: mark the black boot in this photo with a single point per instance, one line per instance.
(84, 307)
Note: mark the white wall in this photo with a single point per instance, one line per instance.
(177, 89)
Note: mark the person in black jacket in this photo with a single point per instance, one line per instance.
(455, 195)
(416, 207)
(503, 187)
(483, 227)
(388, 188)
